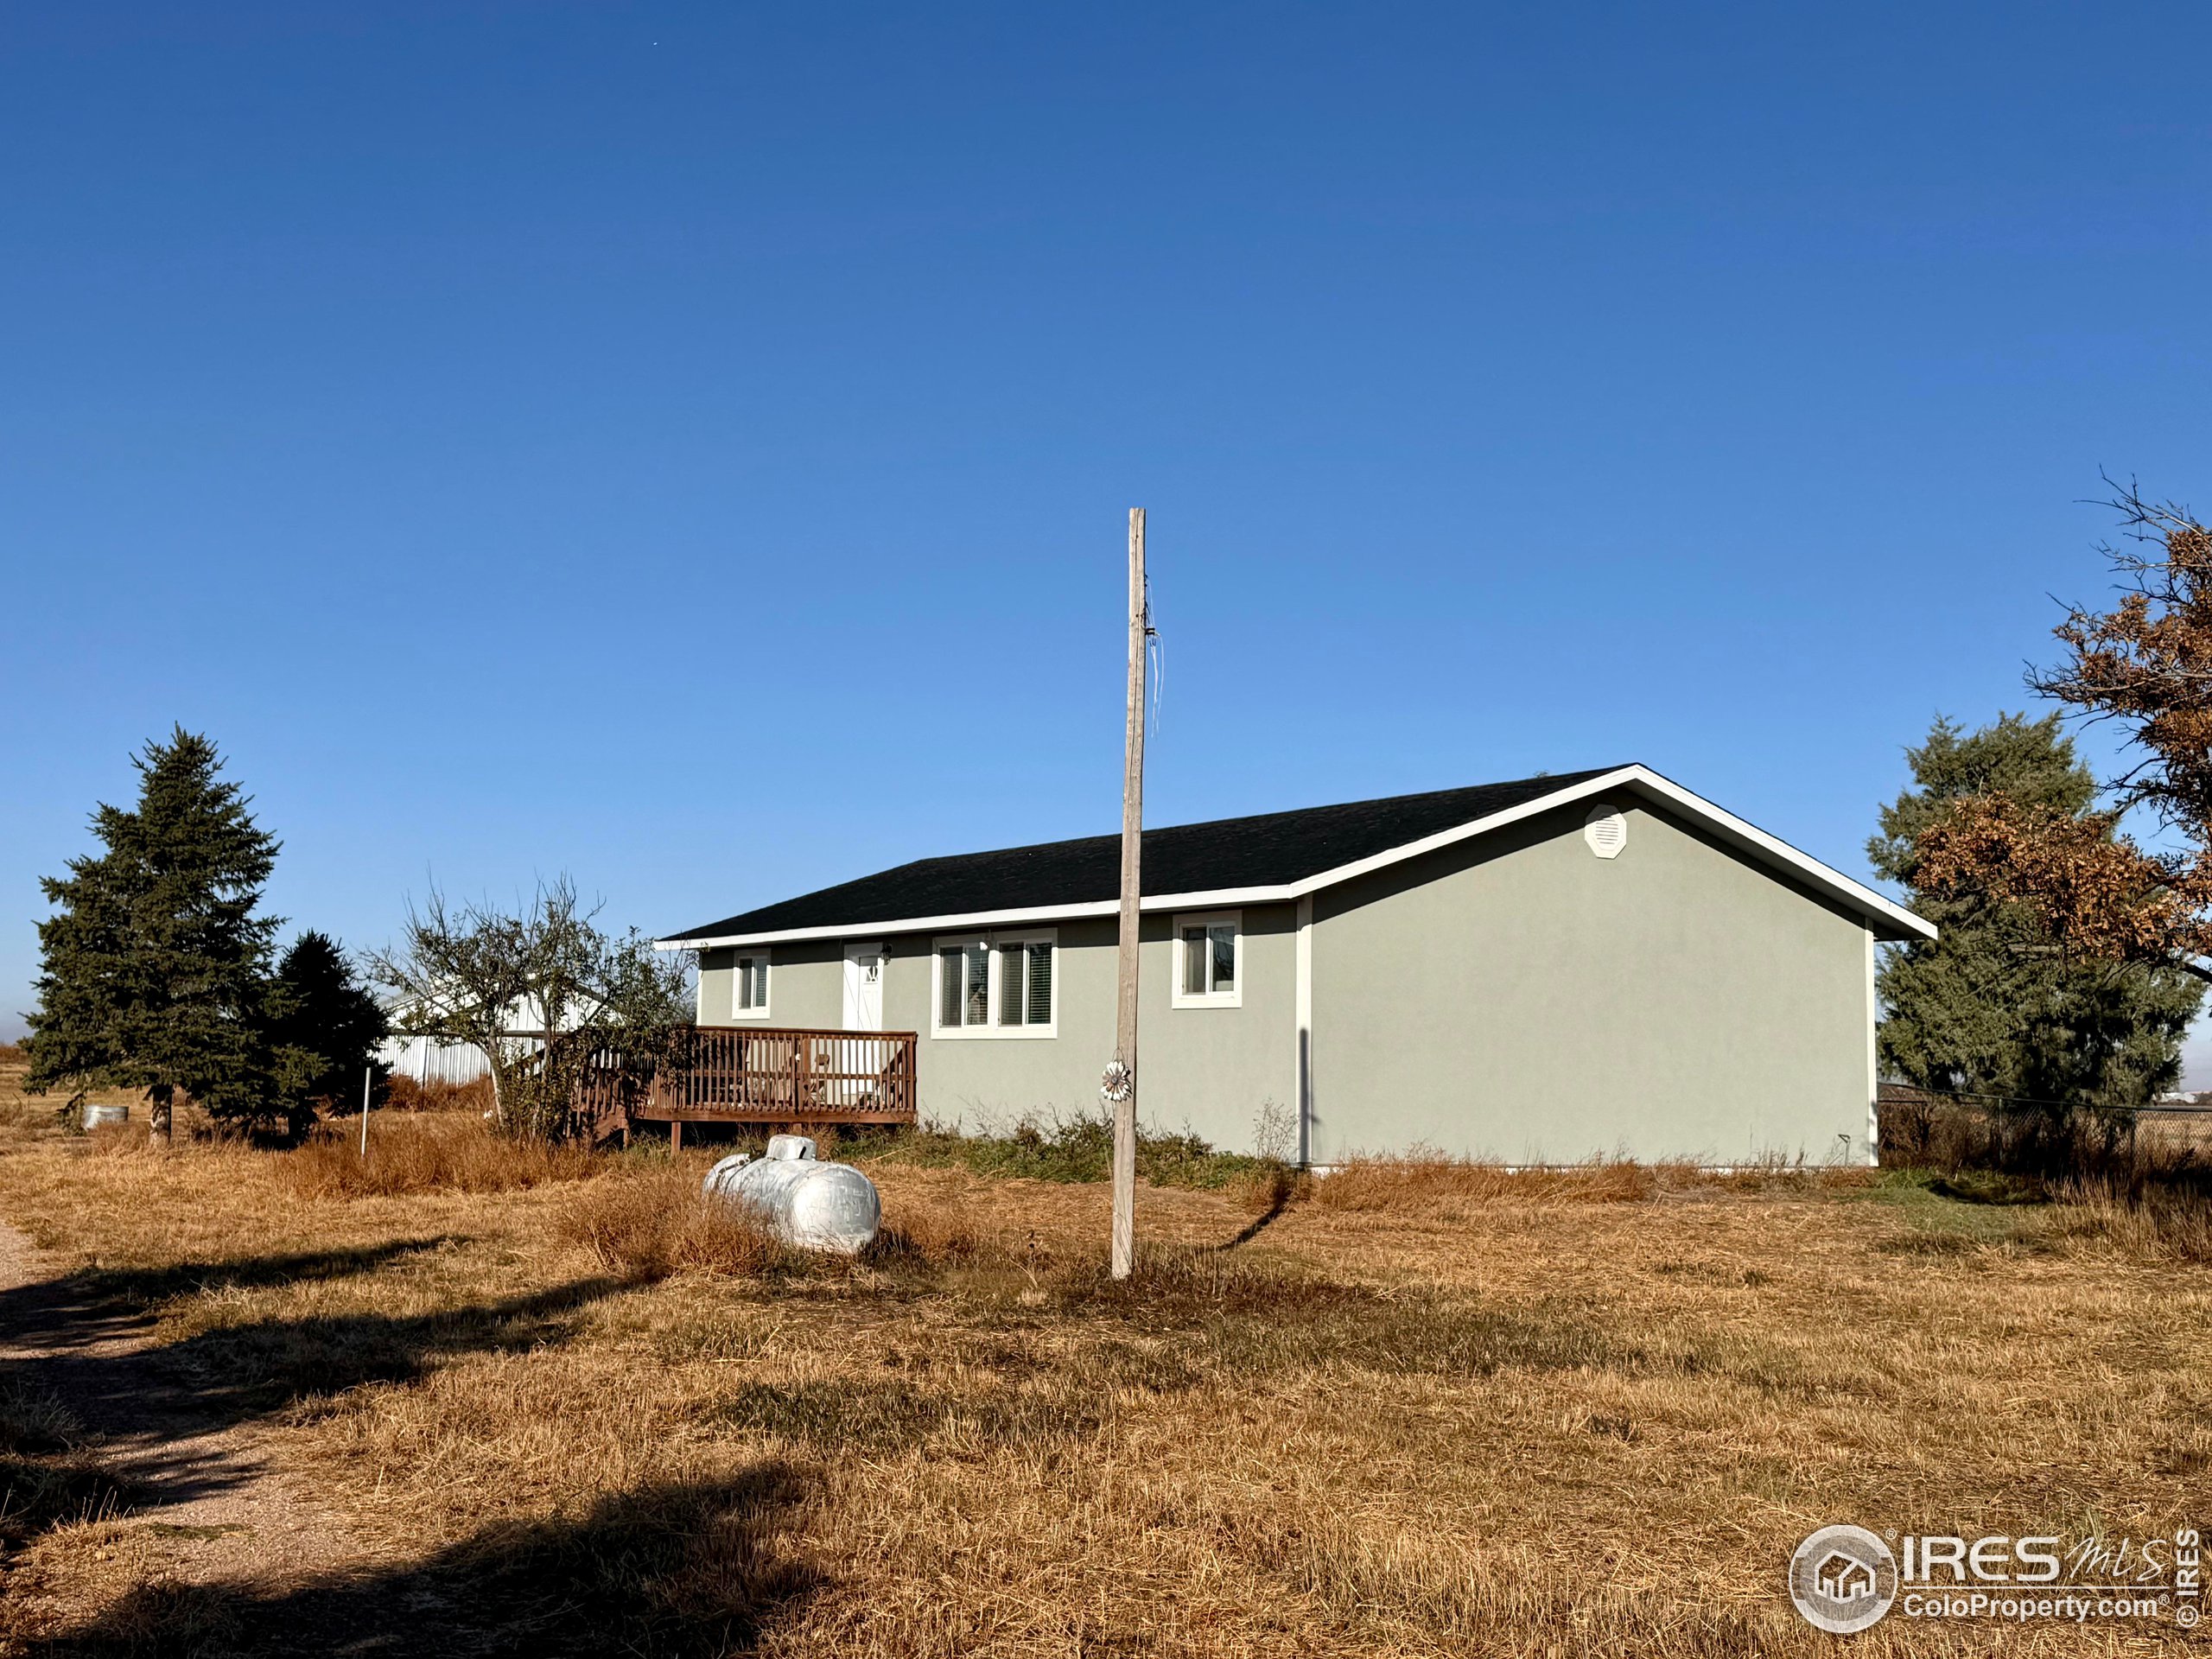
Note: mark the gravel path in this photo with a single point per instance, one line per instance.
(205, 1496)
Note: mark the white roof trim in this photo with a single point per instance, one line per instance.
(1748, 839)
(952, 924)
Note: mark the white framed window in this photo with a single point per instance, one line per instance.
(1210, 961)
(997, 985)
(748, 990)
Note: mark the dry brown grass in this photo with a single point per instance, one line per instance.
(1271, 1189)
(1467, 1414)
(403, 1094)
(1431, 1184)
(49, 1476)
(2150, 1224)
(647, 1226)
(408, 1154)
(1424, 1183)
(115, 1139)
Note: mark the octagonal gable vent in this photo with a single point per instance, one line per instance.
(1605, 830)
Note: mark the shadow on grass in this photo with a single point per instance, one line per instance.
(235, 1372)
(671, 1570)
(1978, 1187)
(1278, 1201)
(144, 1414)
(41, 1485)
(1975, 1187)
(98, 1303)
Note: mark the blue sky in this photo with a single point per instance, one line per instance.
(687, 446)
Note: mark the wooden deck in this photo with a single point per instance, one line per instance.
(785, 1075)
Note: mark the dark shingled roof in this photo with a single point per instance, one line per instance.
(1269, 850)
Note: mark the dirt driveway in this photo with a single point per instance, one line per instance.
(201, 1501)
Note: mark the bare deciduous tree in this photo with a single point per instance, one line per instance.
(538, 991)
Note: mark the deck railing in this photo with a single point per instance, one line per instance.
(784, 1074)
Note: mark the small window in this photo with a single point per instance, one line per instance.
(1040, 982)
(995, 986)
(977, 1007)
(749, 991)
(1209, 962)
(951, 985)
(963, 985)
(1026, 982)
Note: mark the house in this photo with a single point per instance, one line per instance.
(1845, 1577)
(1586, 964)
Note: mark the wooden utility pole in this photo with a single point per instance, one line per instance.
(1121, 1084)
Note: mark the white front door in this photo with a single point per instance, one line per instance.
(863, 987)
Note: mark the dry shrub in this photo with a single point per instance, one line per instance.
(1428, 1182)
(714, 1235)
(2151, 1223)
(403, 1094)
(1271, 1189)
(932, 1234)
(1770, 1172)
(627, 1224)
(649, 1226)
(1915, 1130)
(1925, 1131)
(427, 1154)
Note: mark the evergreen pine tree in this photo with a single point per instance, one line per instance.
(323, 1029)
(153, 969)
(1991, 1006)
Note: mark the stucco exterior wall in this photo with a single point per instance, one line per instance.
(806, 986)
(1213, 1070)
(1514, 997)
(1518, 997)
(1210, 1071)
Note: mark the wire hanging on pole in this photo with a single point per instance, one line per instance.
(1156, 653)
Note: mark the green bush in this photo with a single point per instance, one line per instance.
(1057, 1149)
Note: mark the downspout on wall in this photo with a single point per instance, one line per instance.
(1304, 1022)
(1874, 1061)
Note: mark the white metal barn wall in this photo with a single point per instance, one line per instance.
(427, 1059)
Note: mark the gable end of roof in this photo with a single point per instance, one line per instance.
(1269, 858)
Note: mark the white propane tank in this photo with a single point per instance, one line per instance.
(806, 1202)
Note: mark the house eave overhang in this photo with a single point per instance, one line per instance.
(1888, 920)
